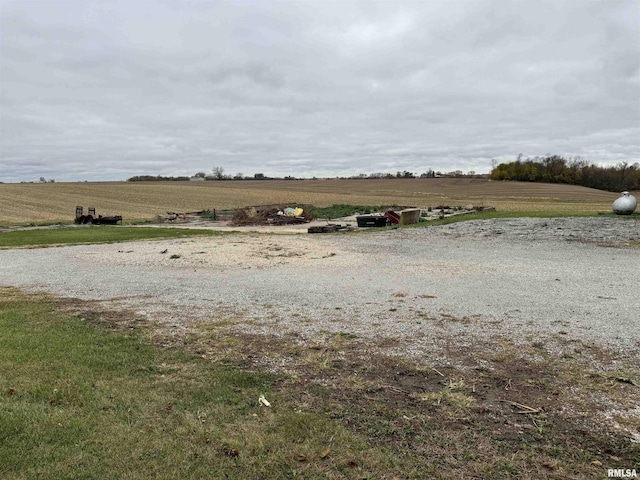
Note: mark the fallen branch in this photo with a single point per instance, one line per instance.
(396, 389)
(525, 409)
(628, 380)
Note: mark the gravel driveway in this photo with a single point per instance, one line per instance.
(470, 281)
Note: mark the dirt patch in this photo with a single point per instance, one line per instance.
(512, 416)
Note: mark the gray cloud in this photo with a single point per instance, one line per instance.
(107, 90)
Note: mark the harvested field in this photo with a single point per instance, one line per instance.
(135, 201)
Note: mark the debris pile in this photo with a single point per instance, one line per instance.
(278, 214)
(178, 217)
(270, 215)
(197, 217)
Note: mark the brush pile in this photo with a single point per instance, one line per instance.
(270, 215)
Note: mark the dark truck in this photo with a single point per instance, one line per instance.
(91, 217)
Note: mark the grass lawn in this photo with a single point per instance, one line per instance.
(79, 401)
(93, 234)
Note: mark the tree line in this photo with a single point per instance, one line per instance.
(572, 171)
(217, 173)
(549, 169)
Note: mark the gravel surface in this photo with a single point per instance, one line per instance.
(526, 278)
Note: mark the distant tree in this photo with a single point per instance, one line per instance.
(43, 180)
(157, 178)
(218, 173)
(238, 176)
(200, 175)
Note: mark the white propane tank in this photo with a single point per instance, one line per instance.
(625, 205)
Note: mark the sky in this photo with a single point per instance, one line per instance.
(105, 90)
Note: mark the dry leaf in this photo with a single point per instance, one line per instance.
(12, 391)
(614, 458)
(301, 458)
(596, 463)
(230, 452)
(325, 452)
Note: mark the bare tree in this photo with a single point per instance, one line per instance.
(218, 173)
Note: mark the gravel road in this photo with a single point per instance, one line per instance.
(466, 282)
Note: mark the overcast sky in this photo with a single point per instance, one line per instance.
(104, 90)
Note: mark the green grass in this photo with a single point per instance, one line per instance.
(34, 224)
(208, 214)
(344, 210)
(78, 401)
(93, 234)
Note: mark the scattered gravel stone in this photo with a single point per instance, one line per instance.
(523, 278)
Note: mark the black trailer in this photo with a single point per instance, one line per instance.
(92, 219)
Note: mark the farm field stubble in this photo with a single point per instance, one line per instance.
(52, 202)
